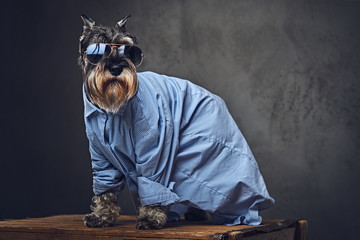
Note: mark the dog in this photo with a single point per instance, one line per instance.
(172, 142)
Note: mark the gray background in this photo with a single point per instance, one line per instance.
(288, 70)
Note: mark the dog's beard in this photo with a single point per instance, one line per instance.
(111, 92)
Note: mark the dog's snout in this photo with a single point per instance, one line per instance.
(115, 69)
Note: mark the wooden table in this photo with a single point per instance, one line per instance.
(72, 227)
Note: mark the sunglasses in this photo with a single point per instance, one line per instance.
(96, 52)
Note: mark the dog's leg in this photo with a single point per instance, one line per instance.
(151, 217)
(195, 214)
(105, 211)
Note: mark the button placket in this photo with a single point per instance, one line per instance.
(104, 133)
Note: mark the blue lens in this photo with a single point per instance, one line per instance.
(95, 52)
(98, 51)
(122, 50)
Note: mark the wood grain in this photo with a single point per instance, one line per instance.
(72, 227)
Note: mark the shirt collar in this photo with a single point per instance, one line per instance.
(90, 108)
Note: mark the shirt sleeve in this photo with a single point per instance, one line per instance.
(105, 176)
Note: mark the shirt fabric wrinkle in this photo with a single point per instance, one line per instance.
(219, 141)
(203, 183)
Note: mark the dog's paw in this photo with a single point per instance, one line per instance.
(147, 224)
(151, 218)
(91, 220)
(195, 214)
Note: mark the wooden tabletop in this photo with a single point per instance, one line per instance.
(72, 227)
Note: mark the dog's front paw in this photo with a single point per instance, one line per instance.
(105, 211)
(91, 220)
(151, 218)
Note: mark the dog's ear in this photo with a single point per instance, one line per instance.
(88, 22)
(88, 25)
(121, 25)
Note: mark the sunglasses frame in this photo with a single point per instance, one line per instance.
(112, 46)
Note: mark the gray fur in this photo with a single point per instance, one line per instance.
(105, 211)
(151, 217)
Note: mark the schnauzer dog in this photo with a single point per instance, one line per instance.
(172, 142)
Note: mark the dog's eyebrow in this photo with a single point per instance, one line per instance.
(126, 40)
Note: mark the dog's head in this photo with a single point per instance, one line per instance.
(109, 57)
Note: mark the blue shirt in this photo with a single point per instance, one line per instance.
(175, 142)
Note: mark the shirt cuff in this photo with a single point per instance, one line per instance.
(99, 188)
(152, 193)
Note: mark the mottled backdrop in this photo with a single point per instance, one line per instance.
(288, 70)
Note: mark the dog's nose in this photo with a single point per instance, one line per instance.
(115, 70)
